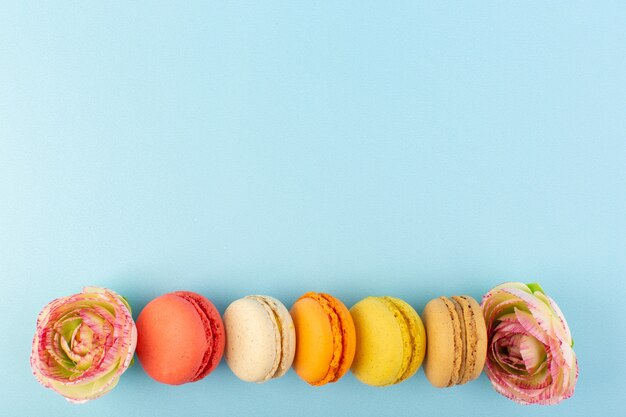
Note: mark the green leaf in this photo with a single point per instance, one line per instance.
(534, 287)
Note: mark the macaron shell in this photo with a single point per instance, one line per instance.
(476, 334)
(441, 350)
(414, 336)
(380, 347)
(213, 329)
(253, 340)
(461, 313)
(171, 340)
(345, 347)
(481, 336)
(314, 335)
(287, 333)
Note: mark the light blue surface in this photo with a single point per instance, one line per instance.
(407, 149)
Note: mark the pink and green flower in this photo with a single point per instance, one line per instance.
(83, 344)
(530, 358)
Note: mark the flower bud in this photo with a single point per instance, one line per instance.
(530, 356)
(83, 343)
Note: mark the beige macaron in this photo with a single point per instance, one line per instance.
(260, 338)
(456, 338)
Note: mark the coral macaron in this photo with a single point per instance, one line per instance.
(260, 338)
(180, 337)
(326, 338)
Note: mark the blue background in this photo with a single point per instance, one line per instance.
(412, 149)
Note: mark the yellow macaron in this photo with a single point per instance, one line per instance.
(391, 341)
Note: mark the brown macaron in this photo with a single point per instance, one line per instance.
(456, 338)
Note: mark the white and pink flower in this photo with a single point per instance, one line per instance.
(530, 358)
(83, 344)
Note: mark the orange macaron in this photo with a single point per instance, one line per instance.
(326, 338)
(180, 337)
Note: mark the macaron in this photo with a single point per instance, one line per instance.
(390, 341)
(456, 340)
(180, 337)
(326, 338)
(260, 338)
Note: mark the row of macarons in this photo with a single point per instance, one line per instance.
(84, 342)
(383, 340)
